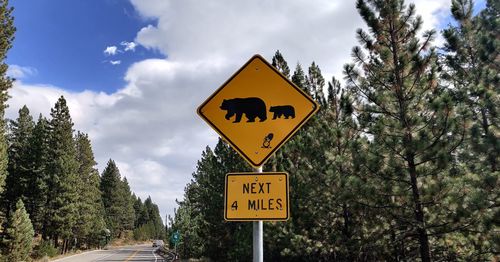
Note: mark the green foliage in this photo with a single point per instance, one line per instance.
(128, 218)
(62, 168)
(148, 223)
(413, 126)
(117, 200)
(20, 158)
(201, 213)
(18, 238)
(7, 31)
(55, 174)
(112, 198)
(38, 190)
(471, 66)
(280, 64)
(44, 249)
(90, 220)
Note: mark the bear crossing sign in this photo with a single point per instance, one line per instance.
(257, 110)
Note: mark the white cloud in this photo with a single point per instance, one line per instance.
(20, 72)
(150, 127)
(433, 12)
(111, 50)
(115, 62)
(129, 46)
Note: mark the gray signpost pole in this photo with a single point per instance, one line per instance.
(258, 235)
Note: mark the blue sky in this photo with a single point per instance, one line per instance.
(63, 41)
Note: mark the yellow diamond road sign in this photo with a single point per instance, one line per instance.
(256, 196)
(257, 110)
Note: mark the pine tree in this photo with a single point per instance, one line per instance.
(315, 84)
(204, 196)
(299, 78)
(411, 124)
(20, 159)
(279, 63)
(63, 181)
(90, 209)
(39, 145)
(471, 66)
(117, 203)
(18, 234)
(128, 205)
(7, 31)
(142, 214)
(473, 69)
(137, 210)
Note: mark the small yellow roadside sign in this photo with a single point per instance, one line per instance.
(256, 196)
(257, 110)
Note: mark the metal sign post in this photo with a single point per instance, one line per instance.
(258, 235)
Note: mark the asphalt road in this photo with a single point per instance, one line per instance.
(123, 254)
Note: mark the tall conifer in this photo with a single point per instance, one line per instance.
(39, 145)
(117, 200)
(128, 218)
(63, 181)
(20, 158)
(471, 66)
(7, 31)
(279, 63)
(411, 122)
(90, 209)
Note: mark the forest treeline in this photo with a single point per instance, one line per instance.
(54, 193)
(399, 164)
(52, 197)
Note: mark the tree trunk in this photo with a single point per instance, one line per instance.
(492, 155)
(346, 230)
(63, 248)
(419, 213)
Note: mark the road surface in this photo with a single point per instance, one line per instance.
(124, 254)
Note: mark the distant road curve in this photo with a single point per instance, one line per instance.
(126, 254)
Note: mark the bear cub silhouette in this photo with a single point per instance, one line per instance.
(286, 111)
(252, 107)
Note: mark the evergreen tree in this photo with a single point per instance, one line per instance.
(204, 195)
(143, 214)
(473, 69)
(63, 183)
(117, 200)
(20, 159)
(299, 78)
(7, 31)
(471, 64)
(154, 219)
(137, 210)
(90, 209)
(38, 192)
(128, 205)
(279, 63)
(18, 235)
(412, 127)
(315, 84)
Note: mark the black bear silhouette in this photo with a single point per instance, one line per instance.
(286, 111)
(252, 107)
